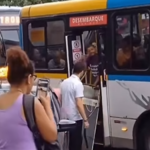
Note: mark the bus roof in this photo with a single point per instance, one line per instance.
(12, 8)
(77, 6)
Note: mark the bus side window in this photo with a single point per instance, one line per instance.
(37, 46)
(2, 53)
(55, 44)
(52, 55)
(130, 41)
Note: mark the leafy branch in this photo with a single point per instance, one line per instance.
(23, 2)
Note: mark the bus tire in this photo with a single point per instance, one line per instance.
(144, 137)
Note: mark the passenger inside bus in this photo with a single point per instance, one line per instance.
(131, 56)
(93, 62)
(57, 62)
(50, 54)
(39, 61)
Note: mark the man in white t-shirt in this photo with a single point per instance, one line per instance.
(72, 105)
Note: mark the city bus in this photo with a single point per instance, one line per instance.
(9, 29)
(116, 33)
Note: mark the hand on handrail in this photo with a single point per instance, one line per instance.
(85, 73)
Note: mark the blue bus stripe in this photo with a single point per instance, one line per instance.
(111, 4)
(129, 78)
(21, 36)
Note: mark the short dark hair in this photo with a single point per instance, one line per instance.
(79, 67)
(136, 41)
(19, 65)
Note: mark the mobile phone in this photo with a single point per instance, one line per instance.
(42, 87)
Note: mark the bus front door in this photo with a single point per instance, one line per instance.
(90, 44)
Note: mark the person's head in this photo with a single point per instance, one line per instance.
(79, 68)
(57, 57)
(126, 44)
(20, 69)
(37, 55)
(92, 49)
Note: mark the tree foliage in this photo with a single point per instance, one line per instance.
(23, 2)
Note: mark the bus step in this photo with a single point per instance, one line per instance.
(98, 147)
(99, 134)
(98, 143)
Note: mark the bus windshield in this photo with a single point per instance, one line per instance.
(10, 37)
(9, 25)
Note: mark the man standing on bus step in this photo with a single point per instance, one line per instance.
(72, 105)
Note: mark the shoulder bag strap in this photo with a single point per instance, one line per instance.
(28, 105)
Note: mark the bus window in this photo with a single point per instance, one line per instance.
(131, 45)
(55, 41)
(55, 32)
(36, 36)
(37, 46)
(10, 37)
(52, 55)
(2, 54)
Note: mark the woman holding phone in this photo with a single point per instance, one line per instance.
(14, 131)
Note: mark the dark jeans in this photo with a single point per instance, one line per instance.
(75, 137)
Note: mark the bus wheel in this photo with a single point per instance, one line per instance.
(144, 137)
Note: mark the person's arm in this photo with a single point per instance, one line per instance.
(45, 121)
(121, 59)
(96, 83)
(79, 95)
(50, 64)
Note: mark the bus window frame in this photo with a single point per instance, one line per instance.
(25, 23)
(130, 11)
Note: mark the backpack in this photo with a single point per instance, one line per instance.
(28, 105)
(56, 106)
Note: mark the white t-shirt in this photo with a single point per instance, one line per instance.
(71, 88)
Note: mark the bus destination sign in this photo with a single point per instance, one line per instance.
(92, 20)
(9, 20)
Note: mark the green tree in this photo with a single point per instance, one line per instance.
(22, 2)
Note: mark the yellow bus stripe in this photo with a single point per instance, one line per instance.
(52, 75)
(65, 7)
